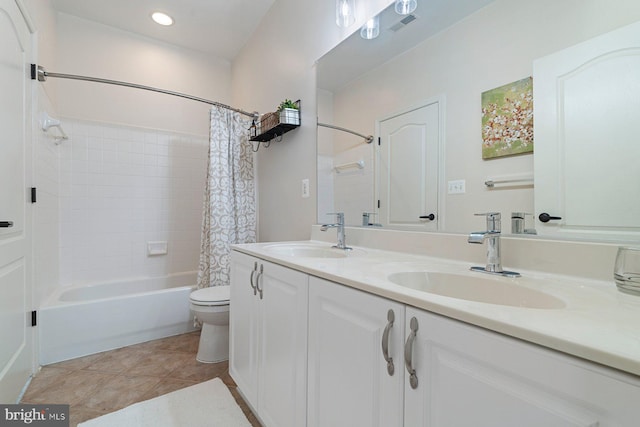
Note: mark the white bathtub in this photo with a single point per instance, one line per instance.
(77, 321)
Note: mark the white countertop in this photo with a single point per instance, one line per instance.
(599, 323)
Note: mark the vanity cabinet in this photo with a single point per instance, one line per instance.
(468, 376)
(268, 339)
(311, 353)
(349, 382)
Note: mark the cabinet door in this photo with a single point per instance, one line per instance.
(472, 377)
(349, 384)
(282, 396)
(243, 327)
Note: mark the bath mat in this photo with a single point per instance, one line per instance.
(206, 404)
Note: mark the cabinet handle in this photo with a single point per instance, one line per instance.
(385, 342)
(258, 280)
(253, 273)
(408, 353)
(430, 217)
(6, 224)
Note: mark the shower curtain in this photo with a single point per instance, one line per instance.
(229, 198)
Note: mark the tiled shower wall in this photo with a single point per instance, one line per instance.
(122, 187)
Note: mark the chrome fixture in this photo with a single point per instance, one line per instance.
(367, 138)
(345, 13)
(518, 223)
(339, 225)
(366, 220)
(371, 29)
(492, 235)
(405, 7)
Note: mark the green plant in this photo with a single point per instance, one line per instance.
(287, 103)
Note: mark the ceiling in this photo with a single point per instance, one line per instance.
(217, 27)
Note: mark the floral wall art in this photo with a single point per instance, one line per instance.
(507, 119)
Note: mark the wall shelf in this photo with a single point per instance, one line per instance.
(278, 123)
(276, 131)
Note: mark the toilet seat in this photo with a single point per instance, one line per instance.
(211, 296)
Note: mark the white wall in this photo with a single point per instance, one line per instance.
(91, 49)
(495, 46)
(133, 169)
(278, 63)
(122, 187)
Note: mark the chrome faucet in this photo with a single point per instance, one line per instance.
(339, 225)
(492, 236)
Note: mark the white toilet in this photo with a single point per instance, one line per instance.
(211, 307)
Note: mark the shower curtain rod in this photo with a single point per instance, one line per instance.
(41, 74)
(367, 138)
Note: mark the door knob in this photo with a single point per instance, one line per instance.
(545, 217)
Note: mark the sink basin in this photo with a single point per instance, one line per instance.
(308, 251)
(479, 289)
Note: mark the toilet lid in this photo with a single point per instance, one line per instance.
(213, 295)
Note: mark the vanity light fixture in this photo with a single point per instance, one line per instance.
(345, 13)
(162, 18)
(405, 7)
(371, 29)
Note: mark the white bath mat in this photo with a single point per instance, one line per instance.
(206, 404)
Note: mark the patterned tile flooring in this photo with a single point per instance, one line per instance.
(105, 382)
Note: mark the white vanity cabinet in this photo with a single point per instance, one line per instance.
(349, 382)
(268, 339)
(468, 376)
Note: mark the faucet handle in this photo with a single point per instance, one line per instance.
(339, 216)
(493, 220)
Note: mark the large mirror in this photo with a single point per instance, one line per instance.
(442, 58)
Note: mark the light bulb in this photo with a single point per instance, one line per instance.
(345, 12)
(371, 29)
(405, 7)
(162, 18)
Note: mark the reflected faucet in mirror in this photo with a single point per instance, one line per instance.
(492, 236)
(366, 220)
(339, 226)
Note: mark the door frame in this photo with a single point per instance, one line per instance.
(440, 100)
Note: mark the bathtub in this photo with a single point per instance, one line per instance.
(78, 321)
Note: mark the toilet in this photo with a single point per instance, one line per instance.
(211, 307)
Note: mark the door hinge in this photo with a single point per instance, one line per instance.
(33, 194)
(34, 318)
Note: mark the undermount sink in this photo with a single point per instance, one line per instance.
(479, 289)
(308, 251)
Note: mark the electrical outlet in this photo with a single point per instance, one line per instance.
(305, 188)
(457, 187)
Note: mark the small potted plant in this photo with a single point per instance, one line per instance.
(289, 112)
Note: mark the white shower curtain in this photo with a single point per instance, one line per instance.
(229, 199)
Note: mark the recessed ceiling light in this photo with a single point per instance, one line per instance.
(162, 18)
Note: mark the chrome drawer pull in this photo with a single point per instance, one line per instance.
(385, 342)
(255, 270)
(258, 276)
(408, 353)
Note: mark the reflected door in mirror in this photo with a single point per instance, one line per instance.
(587, 128)
(408, 169)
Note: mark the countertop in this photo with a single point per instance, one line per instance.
(598, 323)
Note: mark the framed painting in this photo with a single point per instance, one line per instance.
(507, 120)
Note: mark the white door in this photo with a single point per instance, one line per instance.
(243, 326)
(408, 179)
(282, 373)
(586, 130)
(349, 381)
(16, 347)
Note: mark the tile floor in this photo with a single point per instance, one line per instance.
(105, 382)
